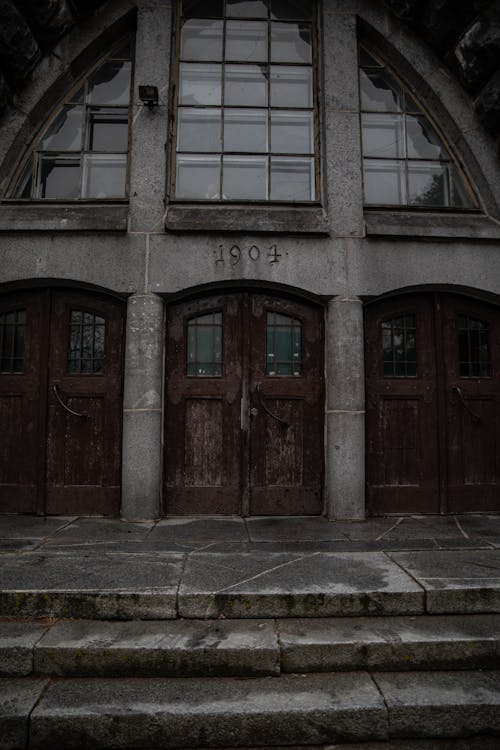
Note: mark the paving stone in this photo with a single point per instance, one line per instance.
(208, 712)
(200, 530)
(169, 648)
(480, 525)
(17, 699)
(100, 586)
(31, 527)
(18, 545)
(441, 704)
(301, 529)
(321, 584)
(17, 640)
(471, 743)
(390, 643)
(456, 580)
(101, 529)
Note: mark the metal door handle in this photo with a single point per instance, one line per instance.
(258, 390)
(458, 391)
(61, 402)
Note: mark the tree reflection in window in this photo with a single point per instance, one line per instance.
(474, 347)
(405, 161)
(82, 152)
(399, 346)
(86, 343)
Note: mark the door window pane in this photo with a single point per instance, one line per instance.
(204, 345)
(200, 84)
(474, 347)
(246, 41)
(384, 182)
(244, 178)
(399, 347)
(86, 343)
(198, 177)
(283, 345)
(291, 42)
(12, 332)
(104, 176)
(292, 179)
(291, 86)
(245, 85)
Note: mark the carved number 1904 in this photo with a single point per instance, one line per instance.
(234, 254)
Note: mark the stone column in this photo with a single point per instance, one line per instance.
(142, 408)
(345, 415)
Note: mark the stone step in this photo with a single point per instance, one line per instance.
(169, 648)
(230, 712)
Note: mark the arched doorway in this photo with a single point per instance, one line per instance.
(433, 404)
(60, 402)
(244, 411)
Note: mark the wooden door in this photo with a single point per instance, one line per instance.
(244, 419)
(61, 403)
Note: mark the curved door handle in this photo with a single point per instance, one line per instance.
(61, 402)
(458, 391)
(258, 390)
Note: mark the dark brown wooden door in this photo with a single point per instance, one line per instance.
(244, 418)
(433, 391)
(67, 440)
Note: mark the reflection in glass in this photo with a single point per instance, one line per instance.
(246, 41)
(246, 9)
(201, 40)
(384, 182)
(198, 177)
(383, 135)
(65, 132)
(428, 183)
(245, 130)
(283, 345)
(399, 347)
(110, 84)
(200, 84)
(107, 129)
(474, 347)
(245, 85)
(199, 130)
(380, 92)
(58, 177)
(422, 140)
(292, 132)
(292, 179)
(244, 178)
(291, 86)
(12, 332)
(461, 197)
(204, 345)
(284, 9)
(291, 42)
(86, 343)
(104, 175)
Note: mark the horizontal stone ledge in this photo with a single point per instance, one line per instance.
(57, 217)
(431, 225)
(249, 218)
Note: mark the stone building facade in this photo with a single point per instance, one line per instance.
(385, 256)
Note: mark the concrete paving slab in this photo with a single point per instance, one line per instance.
(100, 529)
(168, 649)
(198, 529)
(480, 525)
(109, 585)
(471, 743)
(441, 704)
(17, 699)
(455, 580)
(31, 527)
(19, 545)
(17, 641)
(305, 528)
(390, 643)
(214, 712)
(321, 584)
(425, 527)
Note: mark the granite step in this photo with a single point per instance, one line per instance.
(248, 647)
(230, 712)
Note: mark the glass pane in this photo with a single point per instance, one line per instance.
(399, 347)
(292, 179)
(204, 345)
(283, 345)
(202, 8)
(200, 84)
(384, 182)
(201, 40)
(422, 140)
(411, 104)
(245, 85)
(291, 87)
(107, 130)
(291, 42)
(199, 130)
(428, 184)
(23, 189)
(366, 60)
(461, 197)
(58, 177)
(292, 132)
(77, 96)
(198, 177)
(283, 10)
(12, 331)
(380, 92)
(244, 178)
(104, 176)
(245, 130)
(65, 132)
(383, 135)
(246, 9)
(110, 84)
(474, 347)
(246, 41)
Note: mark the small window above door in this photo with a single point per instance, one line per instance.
(204, 345)
(283, 345)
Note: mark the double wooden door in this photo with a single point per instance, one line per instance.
(244, 412)
(60, 402)
(433, 405)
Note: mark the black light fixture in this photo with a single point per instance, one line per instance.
(149, 96)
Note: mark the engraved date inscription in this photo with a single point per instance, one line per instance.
(235, 254)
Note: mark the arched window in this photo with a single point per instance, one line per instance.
(405, 160)
(82, 150)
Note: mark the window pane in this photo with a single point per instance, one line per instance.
(292, 179)
(291, 42)
(366, 60)
(198, 177)
(246, 8)
(65, 132)
(399, 354)
(244, 178)
(384, 182)
(107, 130)
(461, 198)
(104, 176)
(86, 343)
(24, 185)
(283, 10)
(380, 92)
(291, 87)
(59, 177)
(428, 184)
(199, 130)
(246, 41)
(283, 345)
(245, 130)
(245, 85)
(202, 8)
(422, 140)
(474, 347)
(110, 84)
(12, 332)
(201, 40)
(292, 132)
(204, 345)
(200, 84)
(383, 135)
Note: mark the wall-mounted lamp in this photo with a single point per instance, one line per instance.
(149, 96)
